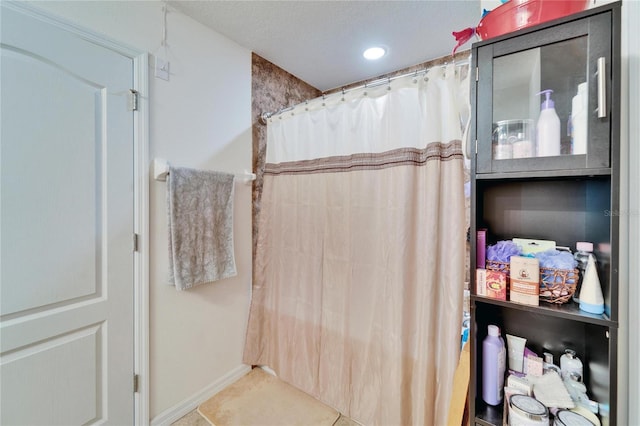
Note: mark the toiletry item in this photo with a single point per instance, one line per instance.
(523, 146)
(493, 366)
(591, 299)
(503, 250)
(530, 246)
(533, 365)
(550, 390)
(569, 418)
(583, 248)
(578, 392)
(570, 363)
(527, 411)
(509, 392)
(576, 388)
(497, 285)
(502, 147)
(515, 349)
(579, 120)
(481, 247)
(603, 410)
(524, 278)
(603, 262)
(586, 413)
(481, 282)
(512, 139)
(548, 365)
(548, 128)
(520, 383)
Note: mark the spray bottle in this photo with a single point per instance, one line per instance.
(548, 128)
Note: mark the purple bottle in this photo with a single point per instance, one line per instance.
(493, 366)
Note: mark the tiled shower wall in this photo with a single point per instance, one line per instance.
(274, 89)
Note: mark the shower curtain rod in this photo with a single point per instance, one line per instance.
(385, 80)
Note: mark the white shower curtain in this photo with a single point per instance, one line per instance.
(360, 253)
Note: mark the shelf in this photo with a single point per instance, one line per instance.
(568, 311)
(564, 198)
(487, 415)
(547, 174)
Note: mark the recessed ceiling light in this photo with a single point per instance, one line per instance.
(374, 53)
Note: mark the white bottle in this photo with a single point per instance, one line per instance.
(570, 363)
(548, 128)
(548, 365)
(579, 121)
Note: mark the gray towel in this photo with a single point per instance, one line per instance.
(200, 208)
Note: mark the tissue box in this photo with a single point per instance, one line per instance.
(525, 280)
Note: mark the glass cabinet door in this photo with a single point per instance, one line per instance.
(548, 96)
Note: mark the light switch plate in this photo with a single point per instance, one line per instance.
(162, 69)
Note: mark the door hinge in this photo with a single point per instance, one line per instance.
(133, 100)
(135, 242)
(135, 383)
(476, 146)
(477, 74)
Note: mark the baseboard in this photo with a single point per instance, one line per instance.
(185, 407)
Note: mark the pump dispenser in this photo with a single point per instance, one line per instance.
(548, 128)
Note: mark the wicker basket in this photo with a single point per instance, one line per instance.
(556, 285)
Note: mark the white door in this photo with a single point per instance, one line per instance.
(66, 228)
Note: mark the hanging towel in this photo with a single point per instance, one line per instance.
(200, 209)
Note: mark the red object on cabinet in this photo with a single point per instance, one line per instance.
(517, 14)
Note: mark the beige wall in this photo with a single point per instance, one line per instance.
(201, 118)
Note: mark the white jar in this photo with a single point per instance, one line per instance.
(527, 411)
(569, 418)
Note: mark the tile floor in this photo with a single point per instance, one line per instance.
(192, 419)
(195, 419)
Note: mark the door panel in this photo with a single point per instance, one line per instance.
(56, 170)
(78, 375)
(66, 227)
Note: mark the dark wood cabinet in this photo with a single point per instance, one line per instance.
(567, 198)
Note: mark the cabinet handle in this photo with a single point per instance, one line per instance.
(602, 87)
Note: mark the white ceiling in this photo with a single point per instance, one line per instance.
(321, 42)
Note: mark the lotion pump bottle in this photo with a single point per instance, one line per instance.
(548, 128)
